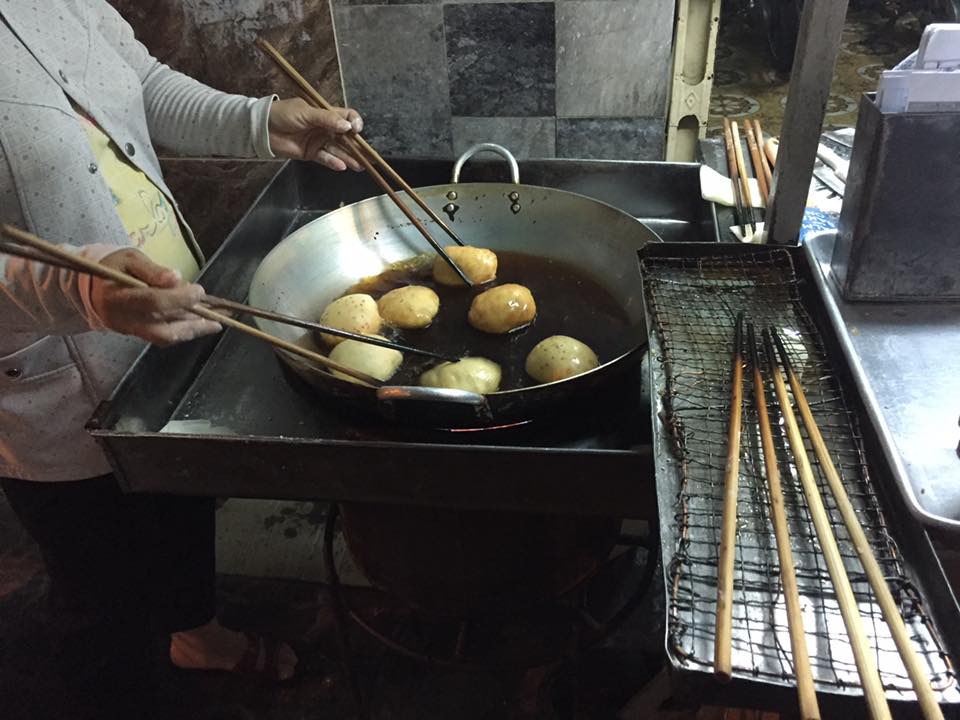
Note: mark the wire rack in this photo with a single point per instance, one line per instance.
(693, 303)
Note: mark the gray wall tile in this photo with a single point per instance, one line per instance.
(611, 138)
(400, 134)
(613, 58)
(336, 3)
(395, 75)
(524, 137)
(502, 59)
(486, 2)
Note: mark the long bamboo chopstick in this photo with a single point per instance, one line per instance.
(215, 302)
(891, 613)
(771, 148)
(862, 652)
(359, 148)
(301, 82)
(722, 660)
(755, 158)
(742, 170)
(809, 709)
(224, 304)
(739, 216)
(78, 263)
(764, 160)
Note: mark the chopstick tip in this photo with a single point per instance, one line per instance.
(738, 335)
(752, 343)
(781, 348)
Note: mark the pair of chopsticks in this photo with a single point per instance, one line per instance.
(863, 654)
(743, 195)
(365, 154)
(30, 247)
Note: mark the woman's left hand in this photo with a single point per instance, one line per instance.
(301, 131)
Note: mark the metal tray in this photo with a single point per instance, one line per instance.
(697, 296)
(219, 417)
(904, 356)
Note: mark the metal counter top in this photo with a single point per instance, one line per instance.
(219, 417)
(906, 361)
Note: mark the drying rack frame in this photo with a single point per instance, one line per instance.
(924, 585)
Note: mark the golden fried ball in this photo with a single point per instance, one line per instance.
(410, 307)
(502, 309)
(474, 374)
(558, 358)
(478, 264)
(380, 362)
(355, 313)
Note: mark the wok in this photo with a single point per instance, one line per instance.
(318, 262)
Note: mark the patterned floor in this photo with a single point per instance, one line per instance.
(745, 85)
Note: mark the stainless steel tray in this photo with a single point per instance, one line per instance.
(906, 363)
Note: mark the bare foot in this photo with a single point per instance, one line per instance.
(214, 647)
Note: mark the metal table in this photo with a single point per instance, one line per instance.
(905, 361)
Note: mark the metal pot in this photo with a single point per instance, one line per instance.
(315, 264)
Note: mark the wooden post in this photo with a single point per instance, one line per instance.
(817, 46)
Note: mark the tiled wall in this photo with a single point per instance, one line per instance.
(571, 78)
(212, 40)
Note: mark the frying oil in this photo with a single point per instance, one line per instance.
(569, 302)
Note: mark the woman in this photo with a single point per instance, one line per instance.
(81, 102)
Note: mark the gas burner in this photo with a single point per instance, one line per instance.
(540, 635)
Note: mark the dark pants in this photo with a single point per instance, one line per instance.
(125, 570)
(142, 562)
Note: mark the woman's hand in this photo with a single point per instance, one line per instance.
(303, 132)
(159, 314)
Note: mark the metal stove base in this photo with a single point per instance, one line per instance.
(552, 633)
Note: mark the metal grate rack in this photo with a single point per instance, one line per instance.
(693, 303)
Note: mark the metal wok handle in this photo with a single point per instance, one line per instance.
(488, 147)
(395, 398)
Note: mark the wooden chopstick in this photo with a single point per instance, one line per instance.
(742, 171)
(297, 78)
(739, 216)
(809, 709)
(224, 304)
(78, 263)
(771, 148)
(767, 166)
(359, 148)
(862, 651)
(26, 253)
(722, 661)
(891, 613)
(755, 158)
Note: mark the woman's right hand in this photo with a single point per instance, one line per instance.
(159, 314)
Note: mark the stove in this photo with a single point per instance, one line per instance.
(221, 417)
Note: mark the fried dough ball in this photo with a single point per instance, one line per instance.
(410, 307)
(355, 313)
(474, 374)
(478, 264)
(382, 363)
(502, 309)
(559, 357)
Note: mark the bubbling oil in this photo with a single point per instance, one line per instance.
(569, 302)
